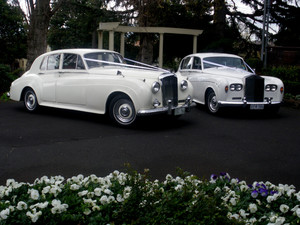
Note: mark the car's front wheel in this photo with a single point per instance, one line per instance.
(30, 100)
(212, 102)
(122, 111)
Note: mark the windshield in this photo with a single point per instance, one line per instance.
(99, 59)
(210, 62)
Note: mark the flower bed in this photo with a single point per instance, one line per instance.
(131, 198)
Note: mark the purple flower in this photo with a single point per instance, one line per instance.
(273, 192)
(263, 192)
(213, 177)
(254, 193)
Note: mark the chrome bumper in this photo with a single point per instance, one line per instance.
(268, 101)
(171, 110)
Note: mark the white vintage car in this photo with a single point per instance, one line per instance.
(226, 80)
(101, 81)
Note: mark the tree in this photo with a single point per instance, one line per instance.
(75, 24)
(39, 14)
(12, 34)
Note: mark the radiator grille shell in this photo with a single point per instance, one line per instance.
(169, 89)
(254, 88)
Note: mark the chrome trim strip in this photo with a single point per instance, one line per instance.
(247, 103)
(187, 107)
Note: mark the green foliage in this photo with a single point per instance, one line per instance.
(12, 34)
(6, 77)
(131, 198)
(290, 75)
(75, 24)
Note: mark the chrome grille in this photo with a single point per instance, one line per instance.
(169, 89)
(254, 90)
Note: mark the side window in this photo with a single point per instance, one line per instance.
(53, 62)
(187, 63)
(44, 63)
(197, 63)
(72, 61)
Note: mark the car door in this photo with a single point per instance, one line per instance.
(197, 78)
(72, 82)
(49, 72)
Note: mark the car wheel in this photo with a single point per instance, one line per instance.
(30, 100)
(122, 111)
(212, 102)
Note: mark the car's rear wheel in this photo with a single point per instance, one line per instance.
(212, 102)
(122, 111)
(30, 100)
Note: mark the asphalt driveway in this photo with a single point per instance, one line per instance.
(249, 146)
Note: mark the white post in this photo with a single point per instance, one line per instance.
(195, 44)
(161, 50)
(122, 44)
(100, 39)
(111, 41)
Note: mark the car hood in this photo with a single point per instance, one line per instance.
(228, 72)
(129, 72)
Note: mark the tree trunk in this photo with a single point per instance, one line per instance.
(38, 28)
(220, 17)
(146, 49)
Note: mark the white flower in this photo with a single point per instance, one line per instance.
(21, 205)
(110, 199)
(280, 220)
(244, 187)
(39, 205)
(58, 207)
(83, 193)
(87, 211)
(46, 190)
(108, 192)
(218, 189)
(74, 187)
(252, 208)
(233, 201)
(284, 208)
(298, 212)
(234, 181)
(4, 214)
(97, 191)
(34, 194)
(119, 198)
(178, 187)
(103, 199)
(243, 213)
(34, 216)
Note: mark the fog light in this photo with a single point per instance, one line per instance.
(156, 103)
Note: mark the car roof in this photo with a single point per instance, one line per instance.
(78, 51)
(213, 54)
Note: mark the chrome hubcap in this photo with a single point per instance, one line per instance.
(30, 101)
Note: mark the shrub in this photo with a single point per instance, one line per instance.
(131, 198)
(289, 75)
(6, 77)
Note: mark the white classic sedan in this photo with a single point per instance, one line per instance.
(101, 81)
(226, 80)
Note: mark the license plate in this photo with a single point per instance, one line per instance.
(179, 111)
(257, 107)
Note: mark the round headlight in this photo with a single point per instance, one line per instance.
(268, 87)
(155, 87)
(232, 87)
(238, 87)
(273, 87)
(184, 85)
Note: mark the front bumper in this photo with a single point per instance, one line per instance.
(244, 103)
(171, 110)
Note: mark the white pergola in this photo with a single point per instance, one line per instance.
(112, 27)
